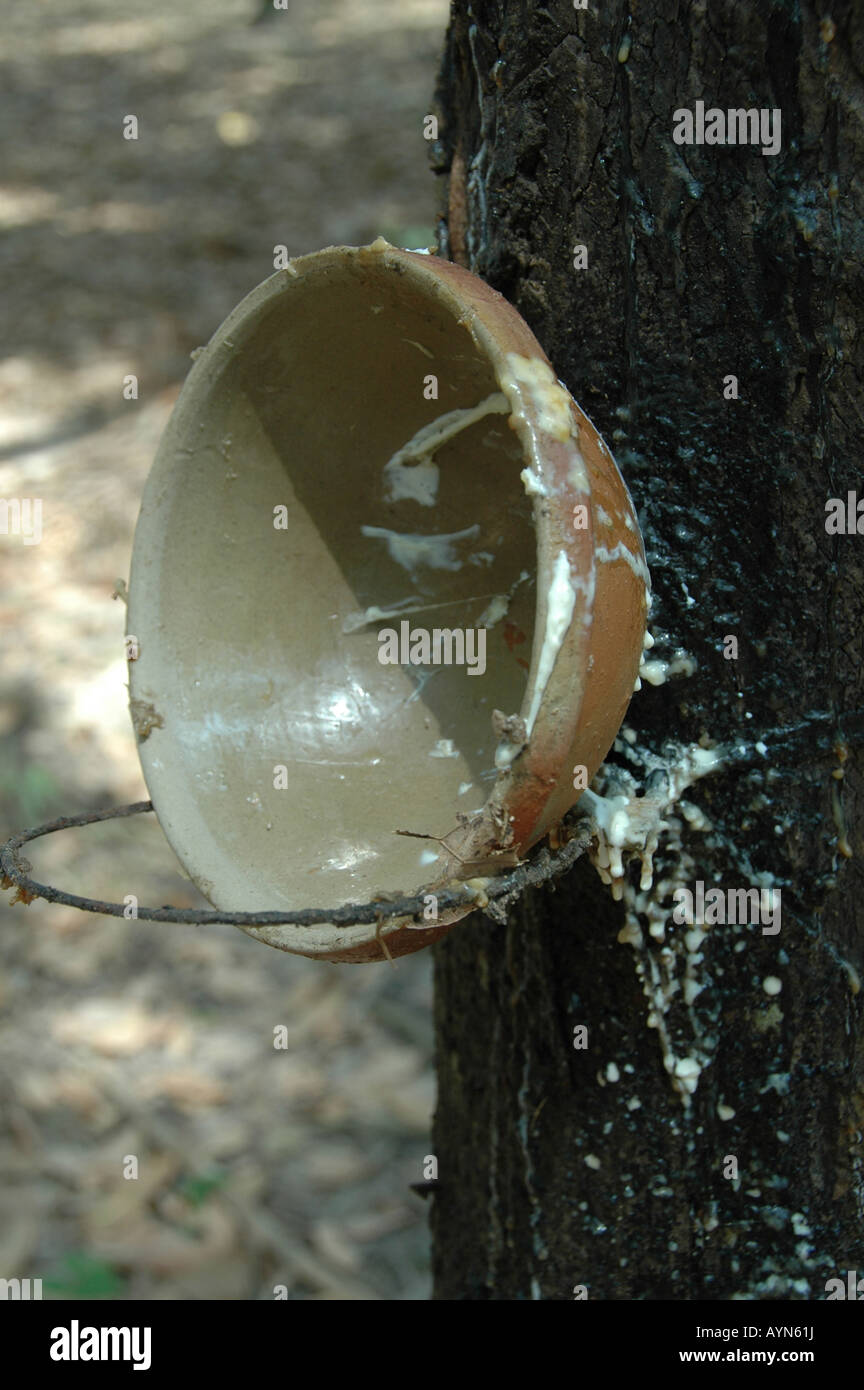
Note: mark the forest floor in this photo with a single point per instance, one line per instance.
(256, 1167)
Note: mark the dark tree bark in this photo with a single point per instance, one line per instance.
(703, 262)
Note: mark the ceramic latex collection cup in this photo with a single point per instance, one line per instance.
(373, 448)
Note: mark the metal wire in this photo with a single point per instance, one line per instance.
(541, 868)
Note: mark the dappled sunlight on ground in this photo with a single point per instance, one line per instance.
(119, 1039)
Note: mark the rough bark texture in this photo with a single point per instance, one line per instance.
(704, 261)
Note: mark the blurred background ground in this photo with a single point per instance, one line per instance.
(257, 1167)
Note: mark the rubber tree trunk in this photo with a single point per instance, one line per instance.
(704, 262)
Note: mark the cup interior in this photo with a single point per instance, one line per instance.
(278, 539)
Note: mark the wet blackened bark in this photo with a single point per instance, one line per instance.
(703, 262)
